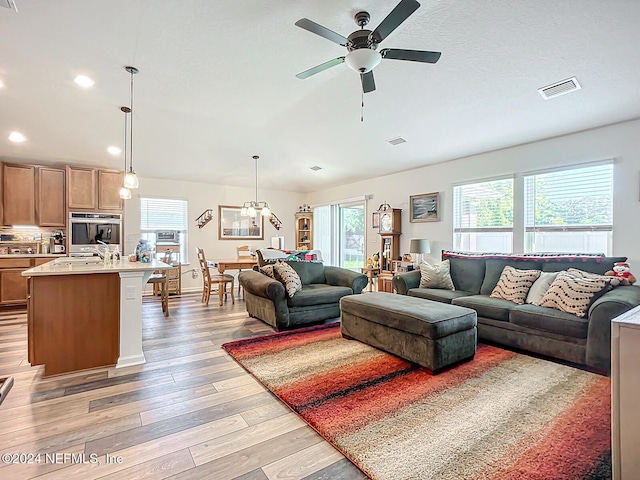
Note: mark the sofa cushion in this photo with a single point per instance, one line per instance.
(604, 264)
(514, 284)
(549, 320)
(289, 278)
(467, 274)
(494, 268)
(436, 276)
(309, 272)
(437, 294)
(318, 294)
(486, 306)
(540, 287)
(572, 294)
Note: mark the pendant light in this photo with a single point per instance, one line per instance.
(125, 193)
(130, 178)
(249, 209)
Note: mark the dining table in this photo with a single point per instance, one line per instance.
(235, 264)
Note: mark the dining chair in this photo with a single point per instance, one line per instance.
(243, 252)
(160, 279)
(209, 280)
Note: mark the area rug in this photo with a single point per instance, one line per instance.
(502, 415)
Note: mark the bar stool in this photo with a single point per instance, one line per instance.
(161, 280)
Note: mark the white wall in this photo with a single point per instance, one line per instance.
(201, 196)
(620, 142)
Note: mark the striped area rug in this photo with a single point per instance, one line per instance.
(501, 416)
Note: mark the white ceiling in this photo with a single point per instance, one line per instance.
(217, 84)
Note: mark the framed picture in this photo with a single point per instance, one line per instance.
(375, 220)
(233, 226)
(424, 207)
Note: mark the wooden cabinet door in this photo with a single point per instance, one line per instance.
(13, 286)
(1, 199)
(109, 184)
(50, 197)
(18, 195)
(81, 188)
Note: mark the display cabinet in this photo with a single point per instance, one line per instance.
(304, 231)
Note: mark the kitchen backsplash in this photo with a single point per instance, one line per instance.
(20, 240)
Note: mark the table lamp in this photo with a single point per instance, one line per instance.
(419, 246)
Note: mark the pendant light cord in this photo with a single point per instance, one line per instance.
(256, 160)
(131, 127)
(125, 140)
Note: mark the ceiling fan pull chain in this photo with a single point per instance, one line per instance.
(362, 108)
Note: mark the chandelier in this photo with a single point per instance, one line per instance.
(250, 209)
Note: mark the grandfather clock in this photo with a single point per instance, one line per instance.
(390, 230)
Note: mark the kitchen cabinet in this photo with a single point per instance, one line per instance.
(93, 189)
(1, 199)
(109, 184)
(50, 197)
(18, 194)
(81, 192)
(13, 286)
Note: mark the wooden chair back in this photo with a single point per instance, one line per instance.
(243, 251)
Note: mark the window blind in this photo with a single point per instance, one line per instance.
(163, 214)
(483, 206)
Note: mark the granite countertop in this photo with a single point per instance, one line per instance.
(70, 266)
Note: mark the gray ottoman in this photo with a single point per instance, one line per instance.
(434, 335)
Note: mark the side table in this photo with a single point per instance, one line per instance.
(371, 273)
(384, 283)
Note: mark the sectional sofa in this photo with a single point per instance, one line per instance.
(547, 331)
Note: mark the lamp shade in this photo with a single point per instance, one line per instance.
(363, 60)
(419, 245)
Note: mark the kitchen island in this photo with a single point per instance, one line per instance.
(83, 314)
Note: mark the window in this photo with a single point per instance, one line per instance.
(160, 214)
(339, 234)
(483, 216)
(570, 210)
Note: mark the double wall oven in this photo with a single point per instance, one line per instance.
(87, 230)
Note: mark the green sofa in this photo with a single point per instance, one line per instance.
(319, 299)
(541, 330)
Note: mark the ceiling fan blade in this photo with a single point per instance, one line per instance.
(368, 84)
(411, 55)
(320, 68)
(394, 19)
(318, 29)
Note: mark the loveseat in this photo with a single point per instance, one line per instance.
(543, 330)
(322, 288)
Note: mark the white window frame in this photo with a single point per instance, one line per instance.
(148, 232)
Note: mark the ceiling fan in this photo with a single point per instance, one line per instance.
(362, 44)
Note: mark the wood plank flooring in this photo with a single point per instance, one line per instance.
(189, 413)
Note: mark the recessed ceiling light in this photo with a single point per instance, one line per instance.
(84, 81)
(114, 150)
(1, 84)
(17, 137)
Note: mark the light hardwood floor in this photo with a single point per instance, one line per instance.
(189, 413)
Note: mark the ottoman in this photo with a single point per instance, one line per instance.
(432, 334)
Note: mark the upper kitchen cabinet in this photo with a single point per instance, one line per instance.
(109, 184)
(93, 189)
(81, 191)
(50, 201)
(18, 194)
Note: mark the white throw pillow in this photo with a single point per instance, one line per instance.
(540, 287)
(436, 276)
(514, 284)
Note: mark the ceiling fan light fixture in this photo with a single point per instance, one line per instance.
(363, 60)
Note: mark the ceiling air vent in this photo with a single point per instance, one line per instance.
(9, 4)
(316, 168)
(560, 88)
(396, 141)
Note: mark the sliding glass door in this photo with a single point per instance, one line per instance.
(339, 234)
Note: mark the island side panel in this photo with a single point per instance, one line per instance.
(75, 321)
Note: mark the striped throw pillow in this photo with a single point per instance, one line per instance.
(572, 294)
(289, 278)
(268, 271)
(514, 284)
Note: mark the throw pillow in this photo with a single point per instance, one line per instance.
(540, 287)
(614, 281)
(436, 276)
(514, 284)
(572, 294)
(289, 278)
(268, 271)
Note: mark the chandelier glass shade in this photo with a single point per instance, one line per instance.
(250, 209)
(130, 178)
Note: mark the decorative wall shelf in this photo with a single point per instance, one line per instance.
(204, 218)
(275, 221)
